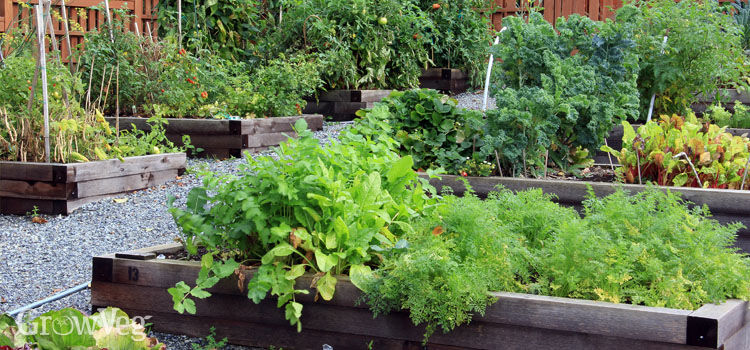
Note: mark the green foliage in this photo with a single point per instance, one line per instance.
(647, 249)
(228, 28)
(211, 343)
(360, 44)
(70, 329)
(429, 128)
(703, 51)
(740, 119)
(275, 89)
(550, 100)
(741, 16)
(458, 35)
(326, 210)
(652, 154)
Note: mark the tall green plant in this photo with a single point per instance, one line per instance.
(703, 51)
(324, 210)
(558, 92)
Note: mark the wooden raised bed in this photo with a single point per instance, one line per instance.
(223, 138)
(728, 96)
(57, 188)
(726, 206)
(137, 282)
(614, 140)
(446, 80)
(341, 105)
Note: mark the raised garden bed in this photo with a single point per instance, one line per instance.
(341, 105)
(726, 205)
(614, 140)
(446, 80)
(137, 282)
(227, 138)
(55, 188)
(728, 97)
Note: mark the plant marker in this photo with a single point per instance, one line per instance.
(489, 73)
(653, 96)
(744, 174)
(40, 32)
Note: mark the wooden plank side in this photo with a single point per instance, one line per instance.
(713, 324)
(124, 183)
(132, 165)
(591, 317)
(563, 314)
(279, 124)
(22, 206)
(396, 326)
(740, 340)
(29, 171)
(37, 189)
(180, 126)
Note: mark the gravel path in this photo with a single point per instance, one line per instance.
(39, 260)
(473, 100)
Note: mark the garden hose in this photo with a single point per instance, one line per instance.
(55, 297)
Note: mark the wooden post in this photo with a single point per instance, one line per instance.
(43, 68)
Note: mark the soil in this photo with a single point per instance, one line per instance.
(593, 174)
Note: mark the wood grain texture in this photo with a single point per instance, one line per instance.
(518, 321)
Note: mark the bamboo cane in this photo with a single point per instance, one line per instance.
(43, 68)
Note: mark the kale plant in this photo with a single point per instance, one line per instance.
(558, 92)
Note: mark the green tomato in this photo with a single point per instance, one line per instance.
(383, 21)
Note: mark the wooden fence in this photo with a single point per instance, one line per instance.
(595, 9)
(82, 17)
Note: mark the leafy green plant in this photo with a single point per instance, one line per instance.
(682, 152)
(360, 44)
(230, 29)
(458, 35)
(739, 119)
(703, 51)
(325, 210)
(430, 128)
(275, 89)
(68, 328)
(211, 343)
(646, 249)
(741, 16)
(555, 106)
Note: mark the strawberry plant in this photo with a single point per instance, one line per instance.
(430, 128)
(323, 210)
(681, 152)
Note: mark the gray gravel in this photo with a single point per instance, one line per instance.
(473, 100)
(39, 260)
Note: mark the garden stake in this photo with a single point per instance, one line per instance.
(40, 29)
(138, 34)
(148, 28)
(67, 35)
(106, 93)
(109, 21)
(117, 105)
(56, 50)
(497, 159)
(638, 159)
(101, 88)
(91, 77)
(683, 154)
(546, 159)
(744, 174)
(609, 156)
(653, 96)
(489, 72)
(179, 23)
